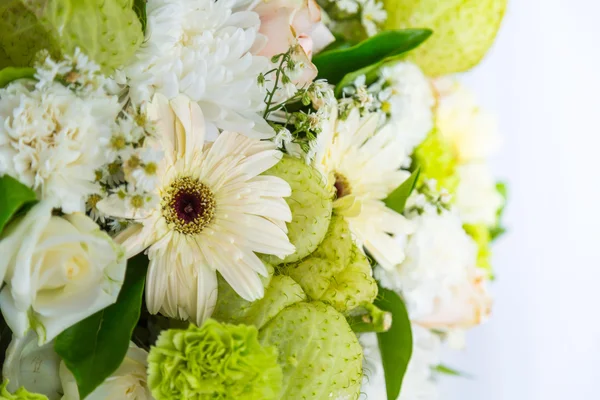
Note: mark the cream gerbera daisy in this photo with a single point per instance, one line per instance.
(214, 212)
(364, 166)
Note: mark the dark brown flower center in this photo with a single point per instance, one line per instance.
(188, 205)
(342, 186)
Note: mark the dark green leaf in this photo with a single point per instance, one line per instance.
(13, 196)
(443, 369)
(139, 6)
(334, 64)
(94, 348)
(9, 74)
(395, 345)
(397, 199)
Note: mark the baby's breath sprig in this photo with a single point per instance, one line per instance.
(428, 197)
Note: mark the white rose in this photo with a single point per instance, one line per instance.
(59, 270)
(128, 382)
(33, 367)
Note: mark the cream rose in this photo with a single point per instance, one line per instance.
(58, 271)
(128, 382)
(289, 22)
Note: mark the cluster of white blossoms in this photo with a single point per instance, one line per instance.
(249, 185)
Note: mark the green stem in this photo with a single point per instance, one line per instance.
(375, 320)
(272, 93)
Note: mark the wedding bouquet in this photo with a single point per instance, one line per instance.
(238, 199)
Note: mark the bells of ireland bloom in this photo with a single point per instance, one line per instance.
(337, 272)
(463, 30)
(107, 31)
(214, 361)
(311, 204)
(320, 355)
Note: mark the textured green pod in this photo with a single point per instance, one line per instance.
(336, 272)
(280, 293)
(463, 30)
(108, 31)
(311, 204)
(320, 355)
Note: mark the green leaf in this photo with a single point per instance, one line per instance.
(443, 369)
(333, 65)
(499, 230)
(395, 345)
(9, 74)
(397, 199)
(139, 6)
(94, 348)
(13, 196)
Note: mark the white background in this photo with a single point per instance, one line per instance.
(542, 78)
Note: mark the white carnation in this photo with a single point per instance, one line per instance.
(409, 103)
(205, 50)
(439, 257)
(52, 138)
(477, 199)
(418, 383)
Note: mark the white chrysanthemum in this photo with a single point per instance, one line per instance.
(215, 211)
(417, 383)
(409, 102)
(53, 139)
(440, 257)
(477, 199)
(204, 49)
(364, 165)
(472, 132)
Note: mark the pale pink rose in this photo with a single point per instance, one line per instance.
(469, 306)
(288, 22)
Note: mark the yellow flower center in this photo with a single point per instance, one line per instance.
(188, 205)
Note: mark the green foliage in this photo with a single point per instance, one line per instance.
(499, 230)
(464, 30)
(320, 355)
(437, 160)
(311, 203)
(20, 394)
(13, 196)
(94, 348)
(108, 31)
(336, 273)
(139, 6)
(395, 345)
(9, 74)
(445, 370)
(481, 235)
(333, 65)
(215, 361)
(397, 199)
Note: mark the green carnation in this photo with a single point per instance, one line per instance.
(108, 31)
(311, 203)
(438, 160)
(319, 353)
(215, 361)
(20, 394)
(337, 272)
(463, 30)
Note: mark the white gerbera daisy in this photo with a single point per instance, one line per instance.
(410, 102)
(214, 212)
(205, 50)
(364, 165)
